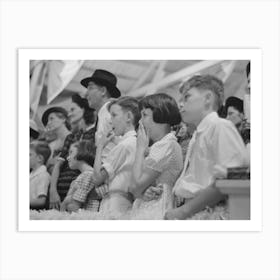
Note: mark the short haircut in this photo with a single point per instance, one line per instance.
(130, 104)
(248, 69)
(164, 107)
(85, 151)
(41, 148)
(206, 82)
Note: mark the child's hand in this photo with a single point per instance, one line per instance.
(153, 193)
(105, 139)
(54, 200)
(142, 137)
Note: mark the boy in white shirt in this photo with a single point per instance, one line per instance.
(215, 146)
(39, 153)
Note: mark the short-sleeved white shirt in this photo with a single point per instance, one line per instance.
(119, 162)
(39, 182)
(217, 146)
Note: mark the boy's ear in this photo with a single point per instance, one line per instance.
(209, 97)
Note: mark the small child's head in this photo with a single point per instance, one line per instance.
(159, 108)
(200, 95)
(39, 153)
(125, 114)
(81, 151)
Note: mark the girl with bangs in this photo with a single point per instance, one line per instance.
(161, 163)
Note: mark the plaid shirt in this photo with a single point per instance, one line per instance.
(82, 190)
(68, 175)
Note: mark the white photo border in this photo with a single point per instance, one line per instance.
(24, 57)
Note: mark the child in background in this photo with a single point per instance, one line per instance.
(215, 146)
(39, 153)
(116, 167)
(81, 157)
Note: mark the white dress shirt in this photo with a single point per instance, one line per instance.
(215, 146)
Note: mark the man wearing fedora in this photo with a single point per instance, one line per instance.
(101, 88)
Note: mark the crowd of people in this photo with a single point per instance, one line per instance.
(110, 153)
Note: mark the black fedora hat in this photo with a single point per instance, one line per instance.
(53, 110)
(103, 78)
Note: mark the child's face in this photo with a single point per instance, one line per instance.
(72, 162)
(34, 159)
(119, 119)
(192, 106)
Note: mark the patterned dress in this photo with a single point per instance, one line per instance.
(165, 156)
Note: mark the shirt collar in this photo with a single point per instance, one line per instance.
(129, 134)
(169, 136)
(206, 121)
(38, 171)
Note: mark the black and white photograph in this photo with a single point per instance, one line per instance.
(140, 139)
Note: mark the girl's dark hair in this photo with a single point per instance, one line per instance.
(80, 101)
(85, 151)
(88, 115)
(130, 104)
(164, 107)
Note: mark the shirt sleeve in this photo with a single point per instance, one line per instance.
(114, 160)
(229, 146)
(43, 185)
(84, 185)
(158, 158)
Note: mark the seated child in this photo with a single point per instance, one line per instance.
(215, 146)
(81, 157)
(116, 167)
(39, 177)
(164, 161)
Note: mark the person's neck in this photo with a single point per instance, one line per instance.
(85, 167)
(204, 115)
(105, 100)
(162, 132)
(62, 132)
(129, 128)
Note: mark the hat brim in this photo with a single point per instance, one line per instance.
(53, 110)
(114, 91)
